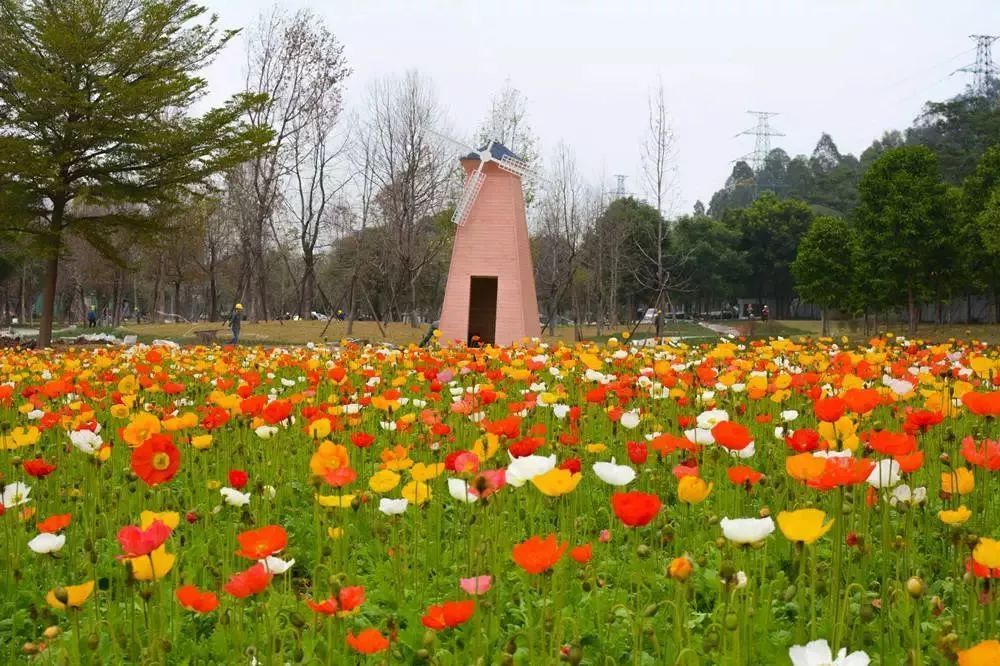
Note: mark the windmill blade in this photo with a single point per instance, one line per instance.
(516, 166)
(455, 142)
(473, 184)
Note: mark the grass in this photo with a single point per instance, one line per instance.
(854, 330)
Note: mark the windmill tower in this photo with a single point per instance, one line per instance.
(490, 295)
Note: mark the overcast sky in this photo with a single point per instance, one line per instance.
(852, 68)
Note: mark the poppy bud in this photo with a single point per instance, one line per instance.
(93, 641)
(650, 610)
(422, 654)
(52, 632)
(29, 648)
(732, 622)
(915, 587)
(866, 612)
(642, 550)
(61, 595)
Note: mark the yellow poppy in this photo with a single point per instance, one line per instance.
(959, 482)
(956, 516)
(335, 532)
(383, 481)
(416, 492)
(169, 518)
(557, 481)
(485, 450)
(596, 448)
(119, 411)
(20, 437)
(986, 653)
(805, 525)
(422, 472)
(987, 552)
(319, 429)
(72, 595)
(693, 489)
(162, 563)
(140, 428)
(335, 501)
(201, 442)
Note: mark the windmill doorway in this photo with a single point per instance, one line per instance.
(482, 311)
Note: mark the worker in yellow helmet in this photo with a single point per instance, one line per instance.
(234, 322)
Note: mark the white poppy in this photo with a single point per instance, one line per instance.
(276, 565)
(521, 470)
(741, 580)
(885, 474)
(392, 507)
(387, 425)
(903, 493)
(710, 418)
(17, 493)
(897, 386)
(265, 431)
(85, 440)
(846, 453)
(700, 436)
(789, 415)
(35, 414)
(613, 474)
(47, 543)
(818, 653)
(234, 497)
(630, 419)
(746, 530)
(746, 452)
(459, 489)
(560, 411)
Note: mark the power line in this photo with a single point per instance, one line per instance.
(983, 70)
(762, 133)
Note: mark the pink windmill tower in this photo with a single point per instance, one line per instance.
(490, 295)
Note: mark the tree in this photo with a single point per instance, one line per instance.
(824, 266)
(903, 226)
(507, 122)
(770, 230)
(299, 65)
(711, 262)
(95, 133)
(976, 228)
(959, 131)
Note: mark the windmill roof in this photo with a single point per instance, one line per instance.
(498, 151)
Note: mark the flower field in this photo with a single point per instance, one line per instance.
(739, 502)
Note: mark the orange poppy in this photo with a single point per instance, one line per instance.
(741, 475)
(582, 554)
(448, 615)
(193, 599)
(861, 401)
(804, 466)
(262, 543)
(537, 554)
(368, 641)
(982, 404)
(843, 472)
(910, 462)
(329, 456)
(733, 436)
(156, 460)
(55, 523)
(891, 443)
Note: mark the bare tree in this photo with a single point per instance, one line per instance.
(410, 172)
(299, 64)
(507, 122)
(657, 162)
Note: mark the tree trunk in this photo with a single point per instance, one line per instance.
(912, 307)
(24, 296)
(824, 326)
(308, 287)
(51, 275)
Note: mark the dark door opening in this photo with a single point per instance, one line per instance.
(482, 311)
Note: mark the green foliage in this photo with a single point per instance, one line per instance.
(712, 263)
(95, 136)
(770, 230)
(824, 266)
(904, 227)
(959, 131)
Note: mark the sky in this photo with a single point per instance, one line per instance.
(851, 68)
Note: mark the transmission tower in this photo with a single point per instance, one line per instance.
(762, 133)
(983, 71)
(620, 192)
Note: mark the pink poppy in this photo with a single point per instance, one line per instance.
(476, 585)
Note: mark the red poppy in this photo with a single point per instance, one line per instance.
(362, 440)
(347, 600)
(238, 479)
(910, 462)
(861, 401)
(980, 571)
(448, 615)
(829, 409)
(261, 543)
(891, 443)
(920, 420)
(38, 468)
(251, 581)
(742, 475)
(666, 444)
(733, 436)
(635, 508)
(340, 476)
(525, 447)
(982, 404)
(253, 405)
(326, 607)
(156, 460)
(985, 454)
(193, 599)
(368, 641)
(842, 472)
(637, 452)
(138, 542)
(216, 417)
(277, 411)
(572, 465)
(55, 523)
(803, 440)
(582, 554)
(537, 554)
(686, 468)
